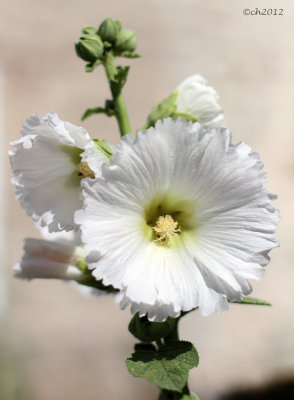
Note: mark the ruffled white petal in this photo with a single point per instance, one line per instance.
(201, 101)
(216, 187)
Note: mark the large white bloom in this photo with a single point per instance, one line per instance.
(51, 159)
(180, 219)
(200, 100)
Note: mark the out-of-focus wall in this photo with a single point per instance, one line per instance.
(59, 344)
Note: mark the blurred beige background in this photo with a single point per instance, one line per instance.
(57, 344)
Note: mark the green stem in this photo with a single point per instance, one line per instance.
(174, 334)
(118, 100)
(169, 395)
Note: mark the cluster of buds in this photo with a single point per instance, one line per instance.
(95, 43)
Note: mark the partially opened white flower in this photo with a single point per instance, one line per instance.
(180, 219)
(60, 257)
(51, 159)
(194, 100)
(197, 98)
(50, 260)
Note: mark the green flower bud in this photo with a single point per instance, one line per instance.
(126, 40)
(89, 30)
(118, 26)
(89, 47)
(108, 30)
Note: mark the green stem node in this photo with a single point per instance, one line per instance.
(118, 100)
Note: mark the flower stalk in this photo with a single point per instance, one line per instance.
(120, 108)
(165, 223)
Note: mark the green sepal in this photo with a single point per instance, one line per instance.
(107, 45)
(103, 147)
(253, 301)
(119, 79)
(89, 47)
(129, 54)
(168, 367)
(148, 331)
(89, 30)
(164, 109)
(90, 281)
(167, 108)
(126, 40)
(91, 66)
(187, 117)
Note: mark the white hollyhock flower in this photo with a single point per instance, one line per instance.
(200, 100)
(60, 257)
(180, 219)
(194, 100)
(50, 259)
(51, 159)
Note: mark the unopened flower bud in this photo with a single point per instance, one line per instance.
(194, 100)
(89, 30)
(126, 40)
(118, 26)
(89, 47)
(108, 30)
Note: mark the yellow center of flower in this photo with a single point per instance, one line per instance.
(165, 228)
(84, 171)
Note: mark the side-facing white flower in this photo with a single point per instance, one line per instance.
(197, 98)
(180, 219)
(194, 100)
(50, 260)
(50, 160)
(60, 257)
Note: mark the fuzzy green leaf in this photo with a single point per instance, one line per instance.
(166, 368)
(253, 301)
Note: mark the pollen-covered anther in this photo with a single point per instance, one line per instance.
(165, 228)
(84, 171)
